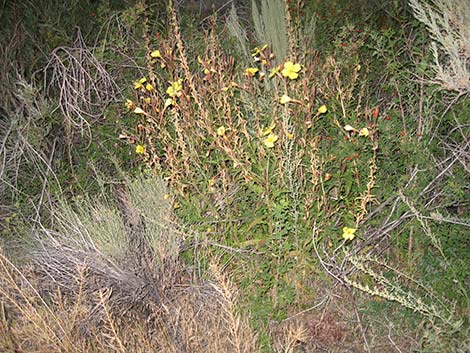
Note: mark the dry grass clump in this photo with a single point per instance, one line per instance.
(108, 281)
(81, 83)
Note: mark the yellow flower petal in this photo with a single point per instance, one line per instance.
(285, 99)
(364, 132)
(251, 71)
(348, 233)
(268, 130)
(139, 83)
(138, 110)
(290, 136)
(129, 104)
(175, 88)
(221, 131)
(348, 128)
(156, 54)
(322, 110)
(148, 100)
(291, 70)
(270, 140)
(149, 87)
(139, 149)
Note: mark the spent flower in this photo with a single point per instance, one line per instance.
(169, 102)
(285, 99)
(139, 110)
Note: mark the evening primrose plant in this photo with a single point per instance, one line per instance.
(252, 151)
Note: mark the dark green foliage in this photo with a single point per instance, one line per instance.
(261, 230)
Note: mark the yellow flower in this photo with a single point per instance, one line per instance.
(149, 87)
(348, 233)
(139, 149)
(166, 196)
(147, 100)
(129, 104)
(270, 140)
(251, 71)
(291, 70)
(322, 110)
(175, 88)
(290, 136)
(285, 99)
(138, 110)
(139, 83)
(364, 132)
(274, 71)
(156, 54)
(268, 130)
(221, 131)
(348, 128)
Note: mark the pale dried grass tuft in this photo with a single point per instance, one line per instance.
(107, 280)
